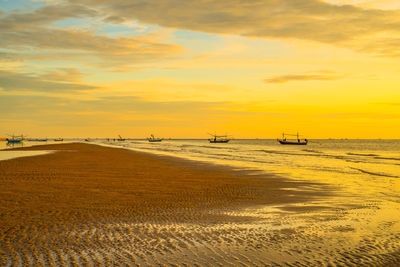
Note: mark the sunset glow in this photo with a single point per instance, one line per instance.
(180, 69)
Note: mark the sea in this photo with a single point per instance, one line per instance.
(357, 223)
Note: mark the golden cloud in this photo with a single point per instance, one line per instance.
(301, 77)
(302, 19)
(15, 81)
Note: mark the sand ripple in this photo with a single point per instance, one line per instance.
(66, 209)
(139, 244)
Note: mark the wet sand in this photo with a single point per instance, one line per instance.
(88, 204)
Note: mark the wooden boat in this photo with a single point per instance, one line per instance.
(58, 140)
(15, 139)
(120, 138)
(218, 138)
(299, 141)
(154, 139)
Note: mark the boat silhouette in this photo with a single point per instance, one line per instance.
(219, 138)
(284, 141)
(154, 139)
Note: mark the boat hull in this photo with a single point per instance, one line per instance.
(155, 140)
(298, 143)
(219, 141)
(15, 141)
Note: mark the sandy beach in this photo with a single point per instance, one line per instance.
(88, 204)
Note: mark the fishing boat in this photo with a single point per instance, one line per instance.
(218, 138)
(120, 138)
(154, 139)
(15, 139)
(299, 141)
(58, 139)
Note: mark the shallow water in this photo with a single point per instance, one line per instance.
(9, 154)
(373, 164)
(358, 224)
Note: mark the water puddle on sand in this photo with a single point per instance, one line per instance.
(6, 155)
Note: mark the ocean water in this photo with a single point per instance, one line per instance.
(355, 166)
(326, 160)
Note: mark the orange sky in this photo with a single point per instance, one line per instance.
(178, 69)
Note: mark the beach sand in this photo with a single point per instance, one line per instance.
(91, 205)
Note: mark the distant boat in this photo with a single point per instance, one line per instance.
(154, 139)
(15, 139)
(58, 140)
(37, 140)
(284, 141)
(88, 139)
(218, 138)
(120, 138)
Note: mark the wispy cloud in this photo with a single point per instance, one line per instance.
(301, 77)
(64, 74)
(14, 81)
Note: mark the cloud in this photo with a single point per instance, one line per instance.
(380, 4)
(19, 21)
(64, 74)
(13, 81)
(383, 46)
(301, 77)
(301, 19)
(30, 35)
(136, 48)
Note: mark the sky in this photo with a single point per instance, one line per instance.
(182, 69)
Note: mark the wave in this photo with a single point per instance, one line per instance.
(362, 154)
(313, 151)
(218, 147)
(375, 173)
(388, 158)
